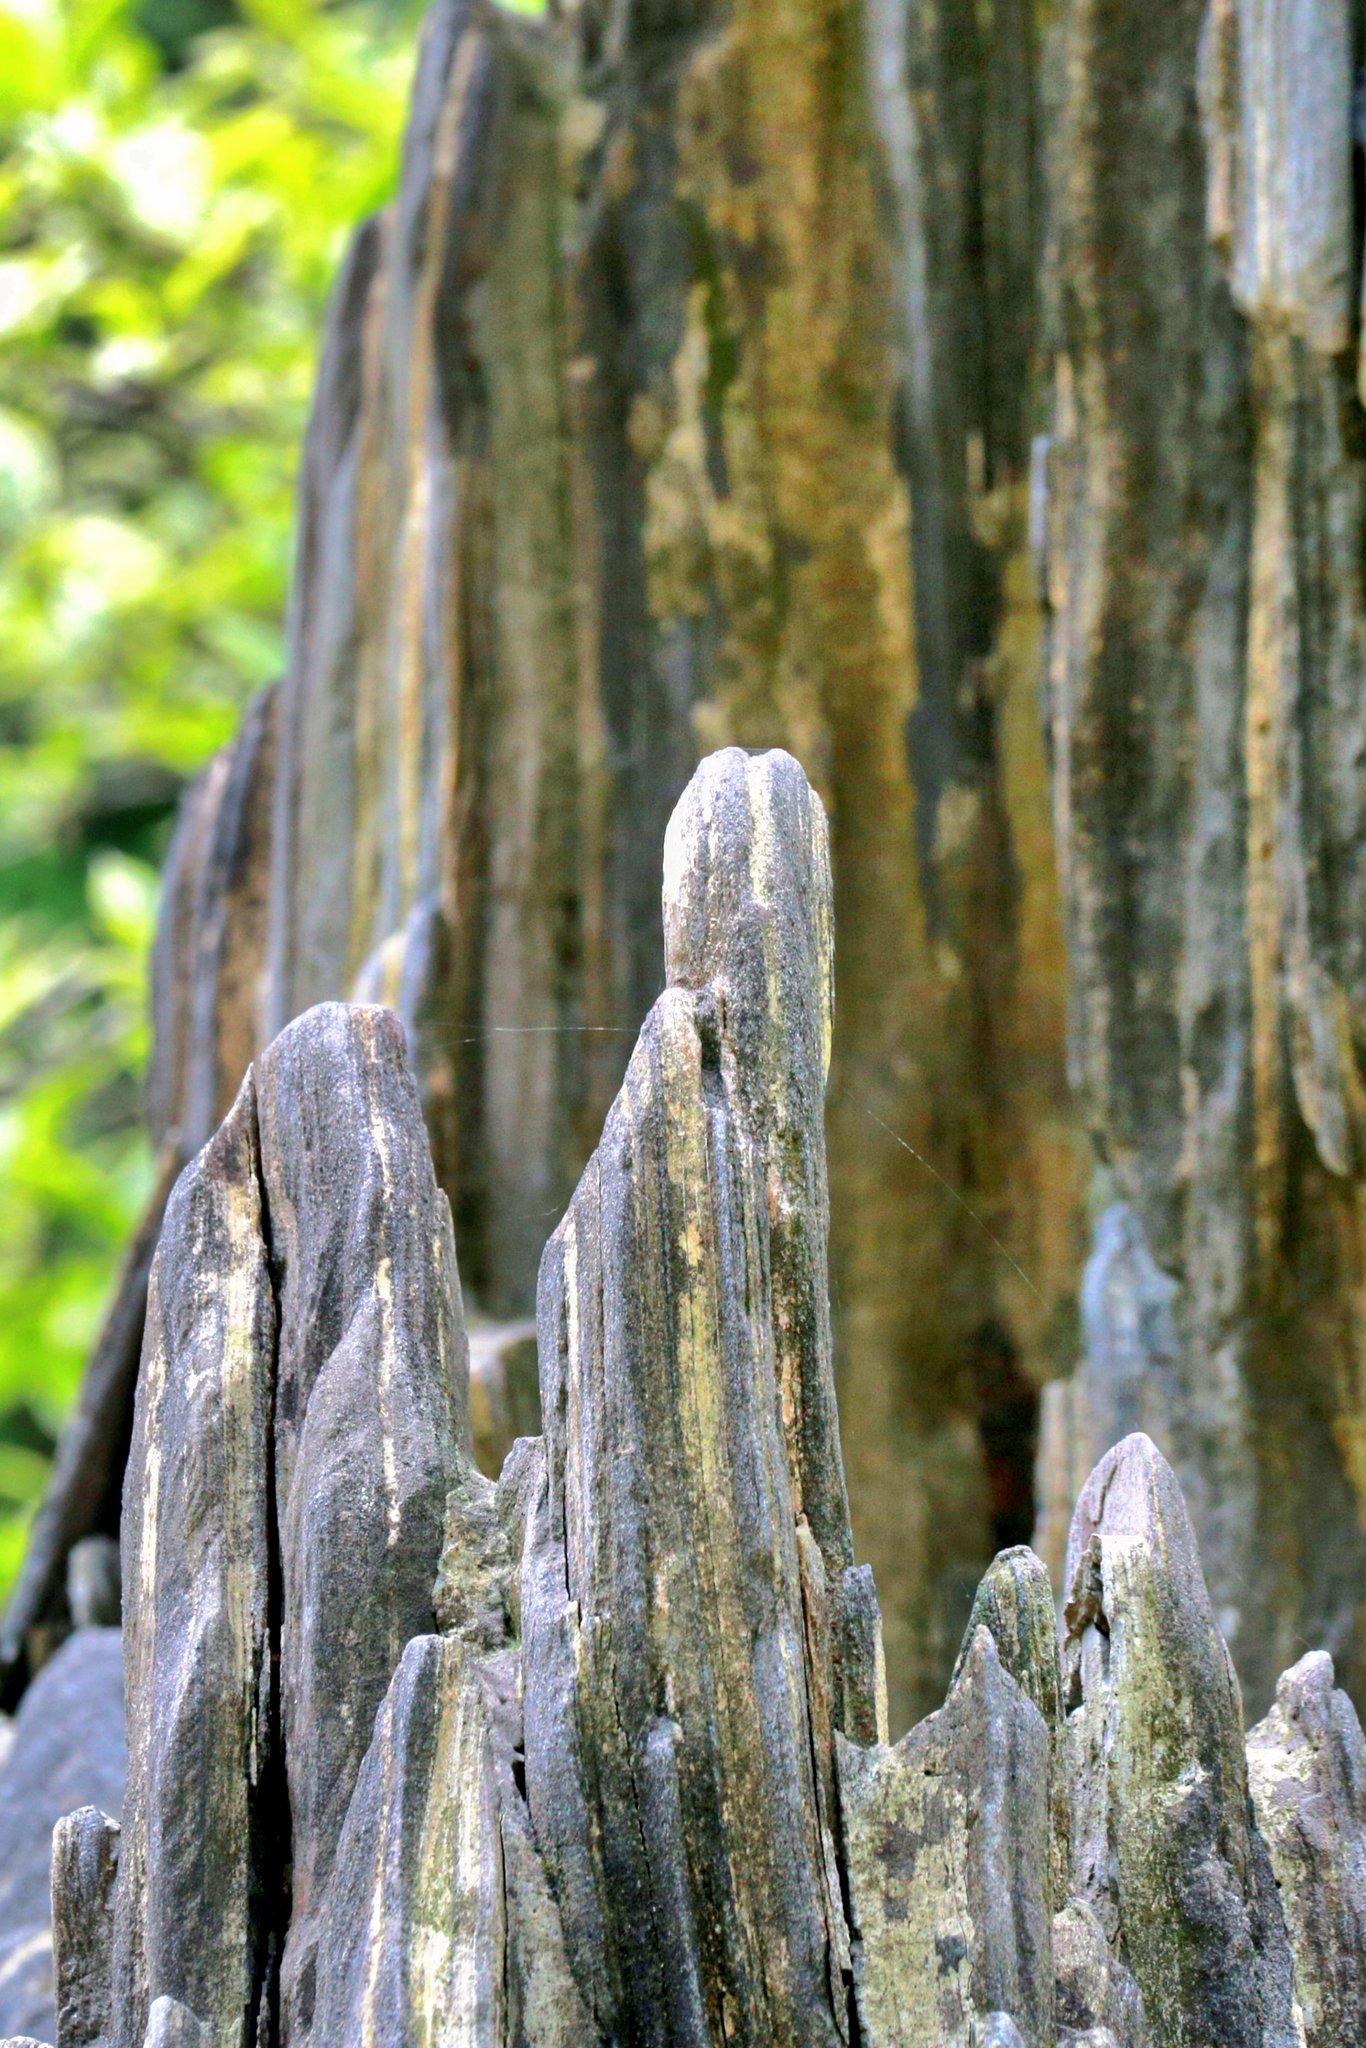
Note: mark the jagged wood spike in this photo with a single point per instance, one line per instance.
(197, 1573)
(594, 1806)
(860, 1667)
(693, 1624)
(678, 1816)
(747, 902)
(946, 1852)
(412, 1934)
(85, 1851)
(1307, 1770)
(1162, 1846)
(1015, 1603)
(371, 705)
(370, 1410)
(66, 1750)
(747, 911)
(414, 580)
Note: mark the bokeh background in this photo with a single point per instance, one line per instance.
(177, 181)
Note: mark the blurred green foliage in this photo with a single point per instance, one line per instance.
(177, 180)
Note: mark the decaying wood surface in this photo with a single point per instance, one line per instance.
(685, 395)
(1202, 487)
(599, 1753)
(684, 400)
(620, 433)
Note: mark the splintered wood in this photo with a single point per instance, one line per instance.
(598, 1753)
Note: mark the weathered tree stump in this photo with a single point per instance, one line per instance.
(598, 1753)
(685, 396)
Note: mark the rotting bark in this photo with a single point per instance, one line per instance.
(602, 1756)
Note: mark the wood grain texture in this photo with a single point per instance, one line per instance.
(681, 400)
(947, 1855)
(1307, 1768)
(197, 1574)
(597, 1753)
(1163, 1847)
(370, 1407)
(1202, 506)
(414, 1926)
(85, 1855)
(690, 1802)
(211, 938)
(621, 447)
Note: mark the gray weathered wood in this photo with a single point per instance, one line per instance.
(1163, 1849)
(1276, 85)
(690, 1546)
(597, 1753)
(197, 1574)
(748, 913)
(1204, 486)
(1307, 1767)
(1015, 1603)
(370, 1405)
(211, 938)
(684, 1798)
(947, 1847)
(67, 1752)
(684, 397)
(438, 1921)
(412, 1932)
(85, 1854)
